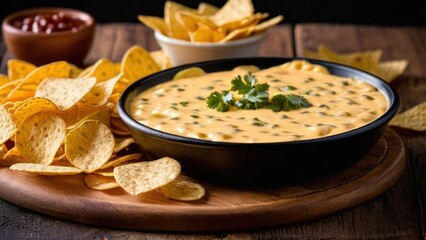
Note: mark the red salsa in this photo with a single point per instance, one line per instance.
(48, 23)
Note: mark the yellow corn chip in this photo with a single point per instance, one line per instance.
(4, 79)
(266, 24)
(121, 143)
(106, 172)
(74, 70)
(154, 22)
(141, 177)
(39, 137)
(6, 88)
(191, 21)
(252, 20)
(89, 146)
(59, 69)
(11, 157)
(116, 161)
(137, 63)
(206, 9)
(65, 92)
(17, 69)
(101, 92)
(206, 34)
(390, 70)
(7, 125)
(85, 72)
(238, 34)
(232, 11)
(41, 169)
(33, 106)
(182, 190)
(174, 28)
(161, 58)
(99, 182)
(413, 118)
(189, 72)
(103, 70)
(101, 114)
(3, 151)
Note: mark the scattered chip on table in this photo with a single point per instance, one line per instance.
(413, 118)
(141, 177)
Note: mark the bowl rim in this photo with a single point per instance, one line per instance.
(178, 42)
(388, 91)
(87, 18)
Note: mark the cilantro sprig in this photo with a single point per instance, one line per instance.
(220, 101)
(254, 96)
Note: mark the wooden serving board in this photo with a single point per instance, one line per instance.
(223, 208)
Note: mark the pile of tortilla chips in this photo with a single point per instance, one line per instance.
(236, 19)
(368, 61)
(58, 119)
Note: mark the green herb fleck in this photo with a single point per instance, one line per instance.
(287, 88)
(288, 102)
(259, 123)
(368, 97)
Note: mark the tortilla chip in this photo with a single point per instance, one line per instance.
(141, 177)
(101, 92)
(156, 23)
(89, 146)
(206, 9)
(39, 137)
(232, 11)
(183, 190)
(7, 125)
(413, 118)
(390, 70)
(65, 92)
(99, 182)
(17, 69)
(41, 169)
(137, 63)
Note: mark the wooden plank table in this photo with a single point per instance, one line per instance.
(398, 213)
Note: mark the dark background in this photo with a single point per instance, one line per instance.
(376, 12)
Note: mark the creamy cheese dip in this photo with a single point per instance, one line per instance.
(338, 105)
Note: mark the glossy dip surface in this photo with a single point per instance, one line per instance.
(338, 104)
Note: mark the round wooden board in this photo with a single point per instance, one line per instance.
(223, 208)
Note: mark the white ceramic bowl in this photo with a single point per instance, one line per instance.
(183, 52)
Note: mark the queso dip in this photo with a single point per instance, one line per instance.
(338, 105)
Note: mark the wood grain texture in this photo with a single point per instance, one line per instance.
(223, 209)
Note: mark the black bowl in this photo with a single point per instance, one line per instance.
(259, 163)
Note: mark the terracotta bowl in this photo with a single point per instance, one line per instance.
(40, 45)
(259, 163)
